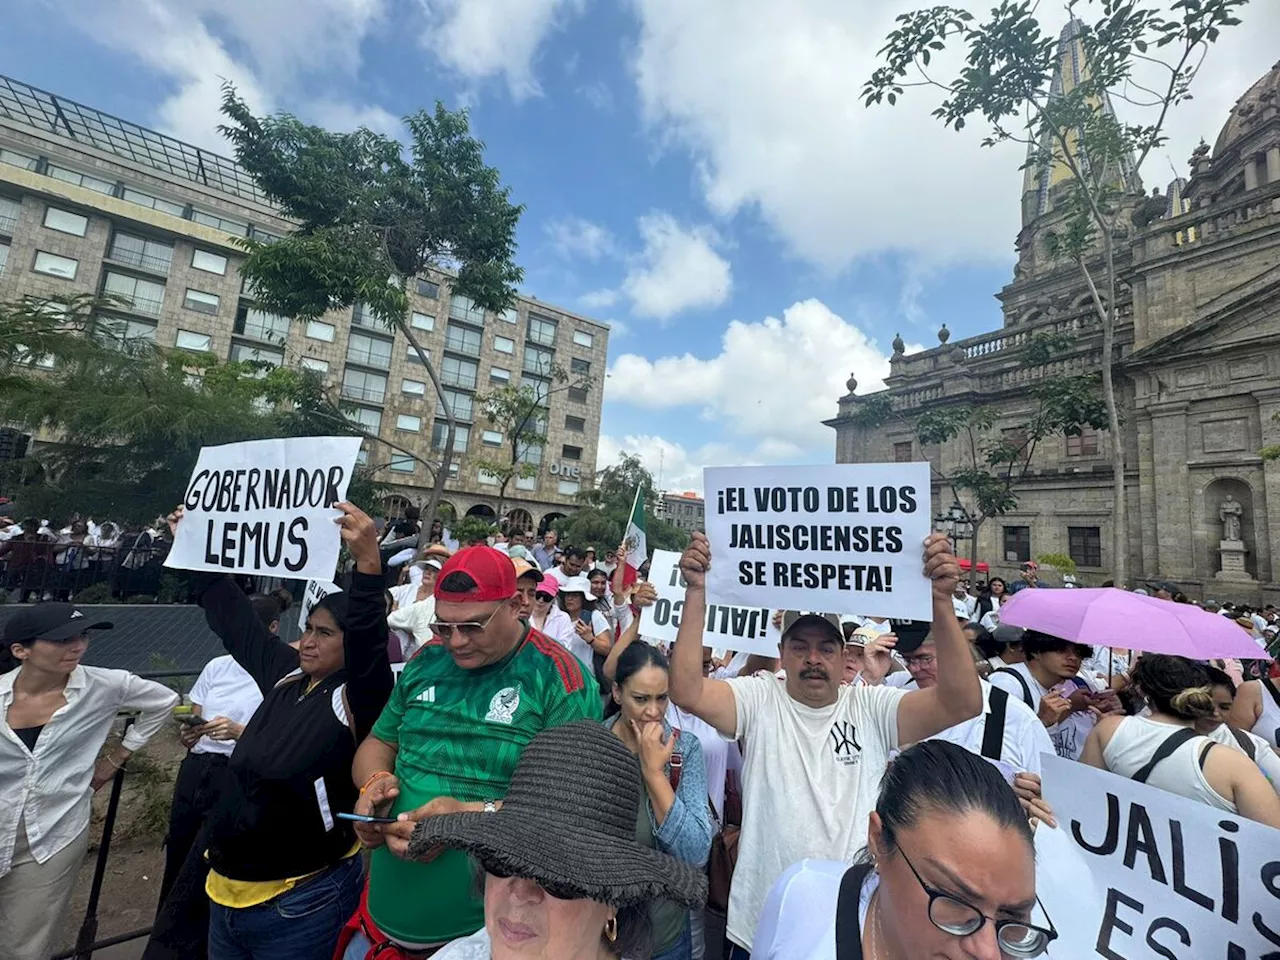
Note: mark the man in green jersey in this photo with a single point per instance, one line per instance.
(448, 741)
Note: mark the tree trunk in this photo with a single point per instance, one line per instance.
(442, 474)
(1119, 507)
(973, 549)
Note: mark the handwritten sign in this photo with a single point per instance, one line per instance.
(1170, 877)
(266, 507)
(316, 591)
(845, 538)
(733, 628)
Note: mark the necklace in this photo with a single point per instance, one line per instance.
(874, 910)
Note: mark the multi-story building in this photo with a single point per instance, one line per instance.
(684, 510)
(90, 204)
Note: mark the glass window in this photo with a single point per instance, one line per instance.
(540, 386)
(428, 288)
(122, 330)
(319, 330)
(1083, 445)
(252, 351)
(577, 394)
(542, 330)
(532, 453)
(462, 339)
(10, 213)
(200, 301)
(408, 422)
(237, 227)
(155, 203)
(4, 256)
(538, 361)
(583, 339)
(412, 355)
(568, 488)
(81, 179)
(579, 366)
(209, 262)
(576, 424)
(188, 340)
(422, 321)
(487, 478)
(465, 309)
(460, 403)
(402, 463)
(499, 375)
(458, 372)
(1015, 436)
(64, 221)
(571, 453)
(368, 418)
(311, 363)
(1084, 545)
(504, 345)
(440, 430)
(902, 452)
(141, 252)
(1017, 544)
(23, 160)
(56, 266)
(509, 315)
(362, 316)
(143, 296)
(415, 388)
(253, 322)
(527, 483)
(491, 438)
(372, 351)
(364, 385)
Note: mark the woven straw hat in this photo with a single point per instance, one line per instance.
(569, 821)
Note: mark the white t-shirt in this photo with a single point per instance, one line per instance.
(559, 576)
(1264, 756)
(720, 755)
(810, 781)
(224, 689)
(1025, 737)
(1068, 736)
(474, 947)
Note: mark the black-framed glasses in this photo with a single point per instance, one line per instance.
(468, 628)
(950, 914)
(500, 872)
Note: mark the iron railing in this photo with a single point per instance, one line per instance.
(37, 570)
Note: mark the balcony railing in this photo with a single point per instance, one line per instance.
(137, 258)
(8, 224)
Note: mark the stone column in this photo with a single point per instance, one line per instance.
(1266, 502)
(1173, 529)
(1143, 512)
(1250, 173)
(1273, 164)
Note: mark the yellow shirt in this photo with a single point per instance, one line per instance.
(249, 893)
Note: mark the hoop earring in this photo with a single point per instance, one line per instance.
(611, 929)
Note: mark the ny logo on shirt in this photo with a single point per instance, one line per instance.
(844, 741)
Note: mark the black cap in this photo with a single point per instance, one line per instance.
(910, 633)
(50, 621)
(1167, 586)
(807, 618)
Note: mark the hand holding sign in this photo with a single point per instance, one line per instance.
(360, 536)
(645, 595)
(696, 561)
(941, 566)
(878, 658)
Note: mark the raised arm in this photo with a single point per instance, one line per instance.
(369, 678)
(645, 595)
(711, 700)
(958, 694)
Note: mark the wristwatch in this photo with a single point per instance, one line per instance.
(490, 806)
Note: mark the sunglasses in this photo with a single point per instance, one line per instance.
(468, 628)
(544, 597)
(556, 890)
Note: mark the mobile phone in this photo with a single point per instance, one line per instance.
(190, 720)
(361, 818)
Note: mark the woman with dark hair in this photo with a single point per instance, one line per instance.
(563, 875)
(1164, 750)
(1217, 729)
(675, 818)
(950, 871)
(990, 602)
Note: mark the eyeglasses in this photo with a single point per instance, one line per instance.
(559, 891)
(544, 597)
(920, 661)
(950, 914)
(468, 628)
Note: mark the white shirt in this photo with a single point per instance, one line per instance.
(1264, 756)
(474, 947)
(559, 627)
(799, 917)
(415, 619)
(1024, 740)
(559, 576)
(1134, 743)
(810, 781)
(1068, 736)
(50, 787)
(224, 689)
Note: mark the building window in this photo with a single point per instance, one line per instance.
(491, 438)
(362, 457)
(527, 483)
(363, 316)
(1017, 544)
(241, 352)
(141, 252)
(532, 453)
(188, 340)
(368, 418)
(153, 202)
(401, 463)
(364, 385)
(10, 212)
(252, 322)
(462, 340)
(371, 351)
(499, 375)
(4, 256)
(540, 386)
(415, 388)
(457, 372)
(120, 331)
(583, 339)
(487, 478)
(408, 422)
(1016, 437)
(538, 361)
(1084, 546)
(571, 453)
(142, 296)
(580, 367)
(209, 262)
(576, 424)
(429, 289)
(509, 315)
(64, 221)
(81, 180)
(220, 223)
(577, 394)
(411, 354)
(55, 266)
(902, 452)
(17, 159)
(200, 301)
(440, 430)
(568, 488)
(542, 330)
(504, 345)
(1084, 445)
(311, 363)
(462, 404)
(465, 309)
(422, 321)
(319, 330)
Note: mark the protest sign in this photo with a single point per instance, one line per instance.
(845, 539)
(266, 507)
(734, 628)
(1172, 878)
(316, 591)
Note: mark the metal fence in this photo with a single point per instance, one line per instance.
(32, 570)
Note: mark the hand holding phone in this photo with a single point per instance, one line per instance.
(190, 719)
(362, 818)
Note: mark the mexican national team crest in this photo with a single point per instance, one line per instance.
(503, 706)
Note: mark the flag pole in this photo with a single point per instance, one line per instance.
(634, 501)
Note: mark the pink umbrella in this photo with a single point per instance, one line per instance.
(1107, 617)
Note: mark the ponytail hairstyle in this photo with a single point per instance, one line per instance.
(1175, 686)
(635, 658)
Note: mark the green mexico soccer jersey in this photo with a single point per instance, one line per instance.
(459, 734)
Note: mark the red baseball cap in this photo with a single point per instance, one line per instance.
(492, 571)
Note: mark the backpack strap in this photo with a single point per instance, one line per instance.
(1204, 754)
(1272, 689)
(1026, 690)
(993, 731)
(1164, 751)
(1247, 745)
(677, 762)
(848, 927)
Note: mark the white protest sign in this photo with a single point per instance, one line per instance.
(266, 507)
(735, 628)
(847, 538)
(316, 591)
(1173, 878)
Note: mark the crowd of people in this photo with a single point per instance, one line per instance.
(476, 753)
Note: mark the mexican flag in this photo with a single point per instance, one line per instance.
(636, 541)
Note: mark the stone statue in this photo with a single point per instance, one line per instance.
(899, 347)
(1152, 209)
(1229, 512)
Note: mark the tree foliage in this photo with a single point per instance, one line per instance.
(602, 520)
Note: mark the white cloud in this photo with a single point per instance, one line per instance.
(578, 238)
(679, 269)
(773, 382)
(598, 299)
(768, 107)
(479, 39)
(676, 468)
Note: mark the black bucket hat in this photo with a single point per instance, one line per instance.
(50, 621)
(568, 822)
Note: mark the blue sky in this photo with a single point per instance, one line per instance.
(702, 175)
